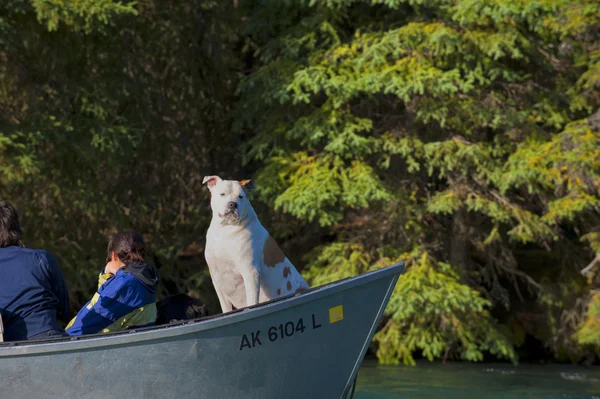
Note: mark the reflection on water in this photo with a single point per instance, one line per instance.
(475, 381)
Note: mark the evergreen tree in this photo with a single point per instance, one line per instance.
(110, 115)
(458, 135)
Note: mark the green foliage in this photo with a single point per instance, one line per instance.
(337, 261)
(312, 184)
(84, 15)
(588, 332)
(476, 116)
(110, 114)
(433, 312)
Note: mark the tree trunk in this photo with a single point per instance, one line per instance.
(458, 241)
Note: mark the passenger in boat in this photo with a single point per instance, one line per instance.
(126, 296)
(33, 293)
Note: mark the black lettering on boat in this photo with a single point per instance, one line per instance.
(274, 333)
(255, 339)
(289, 331)
(300, 326)
(245, 343)
(315, 325)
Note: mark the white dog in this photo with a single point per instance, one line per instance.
(245, 263)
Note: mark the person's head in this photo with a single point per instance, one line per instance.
(126, 246)
(10, 231)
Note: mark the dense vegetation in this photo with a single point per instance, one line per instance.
(461, 136)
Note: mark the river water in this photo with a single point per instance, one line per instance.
(477, 381)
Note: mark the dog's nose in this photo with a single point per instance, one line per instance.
(232, 205)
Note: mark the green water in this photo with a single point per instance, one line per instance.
(470, 381)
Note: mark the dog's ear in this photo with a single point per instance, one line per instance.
(211, 180)
(248, 185)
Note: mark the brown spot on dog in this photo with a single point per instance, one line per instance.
(272, 252)
(289, 286)
(300, 290)
(286, 271)
(278, 291)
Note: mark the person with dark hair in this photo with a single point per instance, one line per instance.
(33, 293)
(126, 296)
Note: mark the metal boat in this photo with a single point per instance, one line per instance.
(307, 345)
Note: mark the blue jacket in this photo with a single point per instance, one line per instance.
(33, 293)
(124, 300)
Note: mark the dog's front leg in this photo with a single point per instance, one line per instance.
(226, 305)
(252, 285)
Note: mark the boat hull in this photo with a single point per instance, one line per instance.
(308, 345)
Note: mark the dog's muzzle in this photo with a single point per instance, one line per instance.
(230, 213)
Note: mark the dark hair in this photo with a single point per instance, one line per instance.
(10, 232)
(128, 245)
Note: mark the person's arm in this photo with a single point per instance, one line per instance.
(116, 298)
(58, 287)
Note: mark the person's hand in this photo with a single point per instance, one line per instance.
(112, 267)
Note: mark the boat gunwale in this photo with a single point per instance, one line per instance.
(186, 327)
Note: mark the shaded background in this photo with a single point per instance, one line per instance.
(461, 136)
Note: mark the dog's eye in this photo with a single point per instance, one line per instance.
(222, 194)
(241, 196)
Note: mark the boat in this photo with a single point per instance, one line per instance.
(306, 345)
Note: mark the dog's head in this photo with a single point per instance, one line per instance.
(229, 198)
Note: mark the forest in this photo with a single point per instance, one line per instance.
(459, 136)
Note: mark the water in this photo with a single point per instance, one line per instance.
(476, 381)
